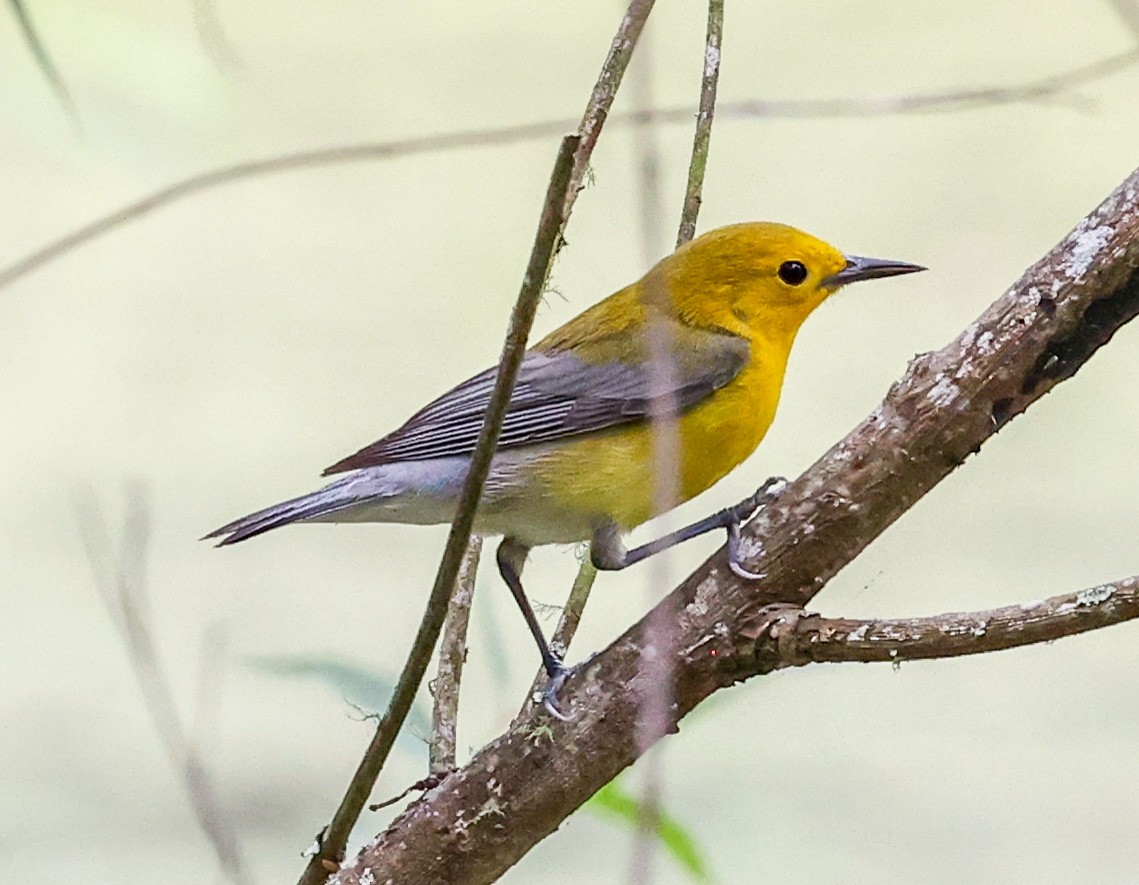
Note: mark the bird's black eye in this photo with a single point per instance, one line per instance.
(792, 272)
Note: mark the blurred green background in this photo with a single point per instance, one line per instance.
(226, 349)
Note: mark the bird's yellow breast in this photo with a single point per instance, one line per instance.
(610, 475)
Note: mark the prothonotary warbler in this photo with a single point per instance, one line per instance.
(575, 458)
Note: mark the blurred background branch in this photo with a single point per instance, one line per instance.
(120, 578)
(1050, 87)
(42, 58)
(212, 35)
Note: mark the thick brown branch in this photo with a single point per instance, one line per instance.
(790, 637)
(519, 788)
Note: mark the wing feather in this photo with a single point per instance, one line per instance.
(557, 395)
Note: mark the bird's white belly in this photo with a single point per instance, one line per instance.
(426, 493)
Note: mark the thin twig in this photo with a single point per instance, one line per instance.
(571, 615)
(693, 194)
(546, 243)
(935, 102)
(792, 637)
(121, 582)
(605, 91)
(426, 783)
(43, 60)
(452, 656)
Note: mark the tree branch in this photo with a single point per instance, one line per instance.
(520, 787)
(790, 637)
(605, 92)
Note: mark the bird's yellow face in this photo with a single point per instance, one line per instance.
(760, 277)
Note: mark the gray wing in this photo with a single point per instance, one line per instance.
(557, 395)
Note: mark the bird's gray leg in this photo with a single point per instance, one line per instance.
(608, 552)
(511, 557)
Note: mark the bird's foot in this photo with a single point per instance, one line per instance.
(554, 685)
(550, 695)
(734, 563)
(743, 512)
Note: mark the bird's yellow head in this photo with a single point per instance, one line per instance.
(758, 277)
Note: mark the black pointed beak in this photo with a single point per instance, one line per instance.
(869, 269)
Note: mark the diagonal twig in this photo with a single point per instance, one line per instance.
(567, 626)
(565, 181)
(649, 216)
(335, 838)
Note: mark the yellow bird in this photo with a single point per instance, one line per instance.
(575, 458)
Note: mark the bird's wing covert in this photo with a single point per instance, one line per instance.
(557, 395)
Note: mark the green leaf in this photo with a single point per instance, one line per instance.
(613, 801)
(358, 686)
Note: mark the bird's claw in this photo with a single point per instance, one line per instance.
(764, 495)
(743, 512)
(550, 695)
(557, 680)
(734, 555)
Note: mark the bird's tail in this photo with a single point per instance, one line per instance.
(321, 503)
